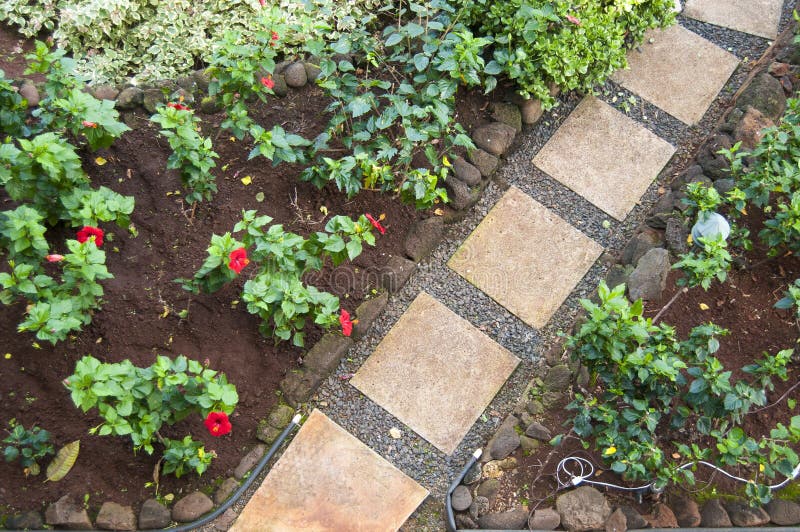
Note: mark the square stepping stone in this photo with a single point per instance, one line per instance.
(757, 17)
(525, 257)
(678, 71)
(435, 372)
(328, 480)
(604, 156)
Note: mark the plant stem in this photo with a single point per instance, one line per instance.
(669, 303)
(781, 398)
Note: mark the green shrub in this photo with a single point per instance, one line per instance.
(651, 384)
(43, 174)
(570, 44)
(137, 402)
(113, 40)
(277, 292)
(28, 446)
(768, 177)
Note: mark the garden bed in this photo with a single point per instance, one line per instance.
(140, 317)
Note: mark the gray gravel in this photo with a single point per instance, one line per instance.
(416, 457)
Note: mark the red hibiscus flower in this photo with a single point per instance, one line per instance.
(95, 234)
(217, 423)
(92, 125)
(267, 82)
(346, 322)
(54, 258)
(262, 2)
(238, 260)
(178, 106)
(376, 224)
(574, 20)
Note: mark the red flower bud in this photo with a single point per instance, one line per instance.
(92, 125)
(346, 323)
(178, 106)
(376, 224)
(54, 258)
(268, 82)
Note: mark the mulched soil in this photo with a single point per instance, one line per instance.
(132, 325)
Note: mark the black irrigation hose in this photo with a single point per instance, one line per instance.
(450, 523)
(238, 493)
(451, 520)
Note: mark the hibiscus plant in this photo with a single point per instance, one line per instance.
(276, 292)
(40, 170)
(137, 402)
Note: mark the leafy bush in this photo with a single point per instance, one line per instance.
(137, 402)
(712, 261)
(191, 153)
(277, 293)
(652, 384)
(791, 299)
(400, 103)
(570, 44)
(768, 177)
(113, 40)
(43, 174)
(28, 446)
(13, 110)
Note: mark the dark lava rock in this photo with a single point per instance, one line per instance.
(67, 514)
(396, 273)
(485, 162)
(154, 515)
(466, 172)
(423, 237)
(114, 516)
(27, 520)
(511, 520)
(461, 499)
(367, 312)
(765, 93)
(783, 513)
(714, 515)
(496, 138)
(742, 514)
(192, 507)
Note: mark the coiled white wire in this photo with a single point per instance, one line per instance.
(578, 470)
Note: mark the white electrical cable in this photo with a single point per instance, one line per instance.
(578, 470)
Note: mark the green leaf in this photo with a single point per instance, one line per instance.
(393, 39)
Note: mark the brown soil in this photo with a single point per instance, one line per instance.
(131, 324)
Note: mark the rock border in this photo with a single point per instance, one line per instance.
(643, 265)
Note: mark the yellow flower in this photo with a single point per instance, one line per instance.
(446, 162)
(611, 450)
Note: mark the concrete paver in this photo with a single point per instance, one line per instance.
(525, 257)
(678, 71)
(435, 372)
(757, 17)
(604, 156)
(327, 480)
